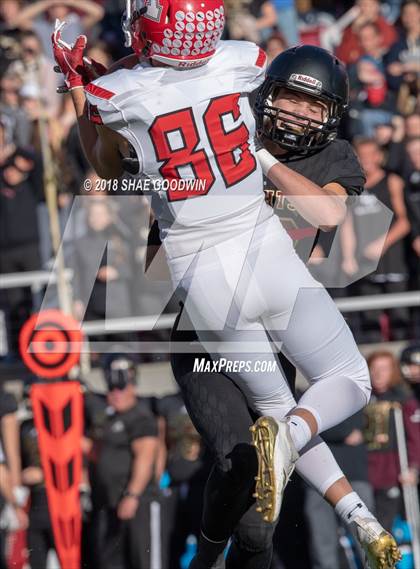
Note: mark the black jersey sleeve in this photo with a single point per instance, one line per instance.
(344, 168)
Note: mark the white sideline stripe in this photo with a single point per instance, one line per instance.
(155, 536)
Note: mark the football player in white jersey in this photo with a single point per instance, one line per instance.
(186, 113)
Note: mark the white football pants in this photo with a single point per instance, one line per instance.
(253, 287)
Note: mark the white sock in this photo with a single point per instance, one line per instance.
(351, 506)
(299, 431)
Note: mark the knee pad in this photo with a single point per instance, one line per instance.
(254, 537)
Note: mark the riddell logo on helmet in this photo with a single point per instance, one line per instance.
(306, 80)
(191, 64)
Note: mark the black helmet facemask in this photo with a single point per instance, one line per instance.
(311, 71)
(293, 131)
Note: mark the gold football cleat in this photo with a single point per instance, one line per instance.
(276, 457)
(380, 548)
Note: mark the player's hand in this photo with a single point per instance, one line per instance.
(127, 508)
(91, 70)
(69, 58)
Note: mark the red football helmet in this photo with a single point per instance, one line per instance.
(180, 33)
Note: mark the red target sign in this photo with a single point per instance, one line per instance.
(50, 343)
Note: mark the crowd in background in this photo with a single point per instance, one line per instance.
(380, 44)
(145, 468)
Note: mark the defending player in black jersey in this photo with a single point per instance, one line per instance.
(298, 109)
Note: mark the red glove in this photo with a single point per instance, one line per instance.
(91, 70)
(69, 58)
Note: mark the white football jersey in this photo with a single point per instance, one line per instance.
(192, 128)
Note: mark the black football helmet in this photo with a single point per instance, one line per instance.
(313, 71)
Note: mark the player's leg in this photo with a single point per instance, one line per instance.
(252, 543)
(325, 351)
(220, 414)
(319, 469)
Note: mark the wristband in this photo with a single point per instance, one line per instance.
(266, 160)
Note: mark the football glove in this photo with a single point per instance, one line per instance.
(77, 69)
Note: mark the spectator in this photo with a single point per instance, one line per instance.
(188, 466)
(373, 243)
(369, 91)
(40, 537)
(75, 156)
(35, 69)
(371, 42)
(9, 14)
(18, 129)
(404, 56)
(391, 10)
(347, 445)
(41, 15)
(350, 50)
(113, 279)
(274, 45)
(121, 441)
(410, 367)
(404, 129)
(251, 20)
(383, 136)
(287, 20)
(412, 200)
(384, 468)
(20, 194)
(312, 23)
(15, 517)
(9, 437)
